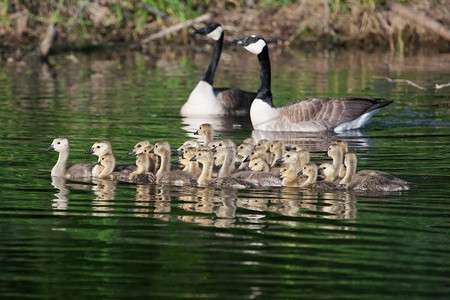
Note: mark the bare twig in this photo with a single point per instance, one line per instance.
(76, 18)
(436, 86)
(175, 27)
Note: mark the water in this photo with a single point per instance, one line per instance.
(84, 240)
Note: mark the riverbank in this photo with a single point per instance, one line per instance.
(45, 28)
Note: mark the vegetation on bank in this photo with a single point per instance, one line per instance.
(75, 24)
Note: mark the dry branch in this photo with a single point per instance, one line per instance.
(150, 9)
(436, 86)
(175, 27)
(422, 20)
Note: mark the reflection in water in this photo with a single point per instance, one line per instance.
(104, 191)
(61, 202)
(191, 124)
(152, 201)
(314, 141)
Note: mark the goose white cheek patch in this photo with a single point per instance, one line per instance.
(256, 48)
(216, 33)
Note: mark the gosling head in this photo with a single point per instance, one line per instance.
(258, 165)
(59, 145)
(160, 148)
(100, 148)
(328, 171)
(342, 144)
(139, 147)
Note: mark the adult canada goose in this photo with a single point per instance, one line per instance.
(143, 161)
(206, 131)
(370, 180)
(78, 170)
(206, 100)
(205, 158)
(164, 174)
(315, 114)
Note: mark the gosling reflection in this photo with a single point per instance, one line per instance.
(61, 202)
(210, 201)
(104, 190)
(152, 201)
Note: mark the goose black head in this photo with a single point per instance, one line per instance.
(254, 44)
(212, 30)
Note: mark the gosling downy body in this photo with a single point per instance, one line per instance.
(81, 170)
(370, 180)
(311, 115)
(205, 158)
(206, 100)
(143, 162)
(164, 174)
(311, 183)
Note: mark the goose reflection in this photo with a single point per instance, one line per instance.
(104, 190)
(206, 201)
(61, 202)
(314, 141)
(152, 201)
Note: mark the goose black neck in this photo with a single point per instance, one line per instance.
(209, 74)
(264, 92)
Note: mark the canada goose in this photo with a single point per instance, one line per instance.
(224, 157)
(295, 159)
(78, 170)
(106, 167)
(370, 180)
(277, 150)
(259, 174)
(143, 161)
(329, 172)
(291, 177)
(335, 152)
(186, 144)
(206, 131)
(164, 174)
(344, 147)
(311, 170)
(192, 167)
(242, 152)
(205, 158)
(315, 114)
(103, 150)
(206, 100)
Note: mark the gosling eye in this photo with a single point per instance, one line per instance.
(220, 145)
(98, 146)
(139, 146)
(324, 168)
(59, 143)
(288, 155)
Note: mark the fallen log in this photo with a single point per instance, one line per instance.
(175, 28)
